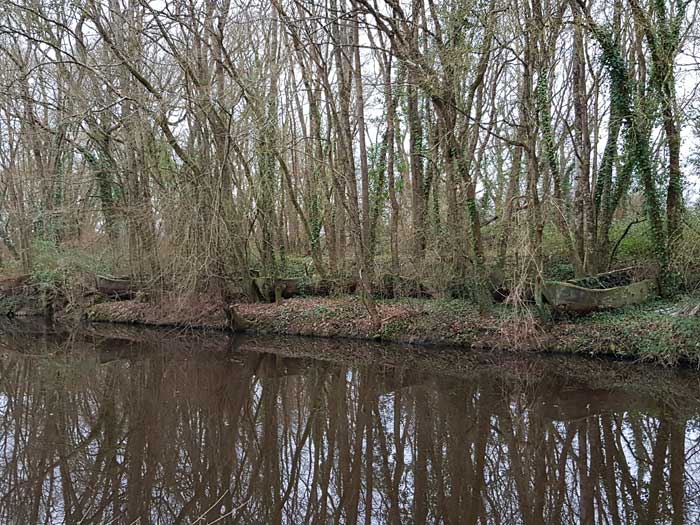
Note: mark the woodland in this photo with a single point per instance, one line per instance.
(392, 148)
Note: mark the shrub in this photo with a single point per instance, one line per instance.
(64, 271)
(685, 262)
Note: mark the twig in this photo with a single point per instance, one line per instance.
(619, 241)
(201, 518)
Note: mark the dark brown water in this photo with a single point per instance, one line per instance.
(122, 426)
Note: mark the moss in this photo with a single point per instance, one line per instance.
(394, 329)
(653, 331)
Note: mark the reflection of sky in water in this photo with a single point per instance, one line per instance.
(262, 438)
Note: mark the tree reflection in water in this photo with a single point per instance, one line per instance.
(153, 429)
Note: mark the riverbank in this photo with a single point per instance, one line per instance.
(659, 331)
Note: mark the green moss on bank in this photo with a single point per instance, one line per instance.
(658, 331)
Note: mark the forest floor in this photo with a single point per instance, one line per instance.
(658, 331)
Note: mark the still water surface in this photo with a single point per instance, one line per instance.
(111, 425)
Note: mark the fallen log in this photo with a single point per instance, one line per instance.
(120, 288)
(273, 290)
(326, 287)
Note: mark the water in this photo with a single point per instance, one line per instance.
(114, 425)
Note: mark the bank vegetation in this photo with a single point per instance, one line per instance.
(434, 148)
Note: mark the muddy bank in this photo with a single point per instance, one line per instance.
(658, 331)
(177, 312)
